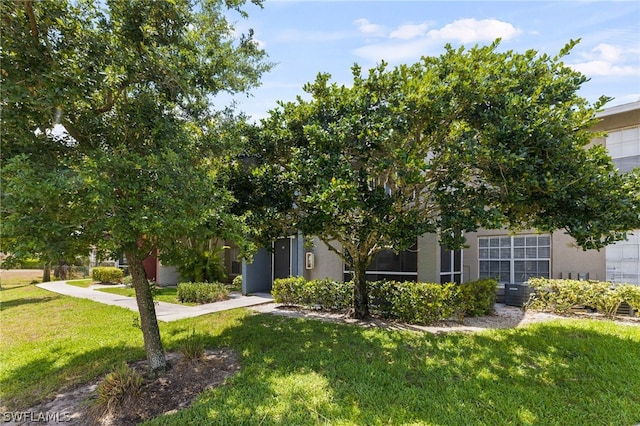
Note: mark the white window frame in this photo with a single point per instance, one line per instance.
(508, 253)
(452, 272)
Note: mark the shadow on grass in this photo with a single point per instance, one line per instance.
(297, 371)
(6, 305)
(38, 381)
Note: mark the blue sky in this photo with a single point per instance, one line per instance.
(307, 37)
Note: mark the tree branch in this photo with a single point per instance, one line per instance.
(28, 7)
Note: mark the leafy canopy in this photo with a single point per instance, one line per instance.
(471, 139)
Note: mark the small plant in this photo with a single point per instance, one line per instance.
(236, 284)
(193, 347)
(119, 388)
(107, 274)
(202, 292)
(128, 281)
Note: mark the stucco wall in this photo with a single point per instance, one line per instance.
(327, 264)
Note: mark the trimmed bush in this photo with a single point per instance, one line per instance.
(107, 274)
(423, 303)
(202, 292)
(631, 295)
(477, 298)
(561, 296)
(289, 291)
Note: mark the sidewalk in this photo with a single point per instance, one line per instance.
(164, 311)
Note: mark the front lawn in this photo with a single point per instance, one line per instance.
(300, 371)
(163, 294)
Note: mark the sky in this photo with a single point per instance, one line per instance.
(304, 38)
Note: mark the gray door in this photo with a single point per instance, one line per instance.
(282, 258)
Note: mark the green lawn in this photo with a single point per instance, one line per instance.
(297, 371)
(85, 283)
(166, 294)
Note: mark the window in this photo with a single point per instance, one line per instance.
(450, 265)
(388, 265)
(515, 259)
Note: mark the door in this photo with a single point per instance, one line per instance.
(282, 258)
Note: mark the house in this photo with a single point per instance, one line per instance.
(491, 253)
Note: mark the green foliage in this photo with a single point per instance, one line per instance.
(118, 388)
(477, 298)
(417, 303)
(139, 157)
(236, 284)
(31, 264)
(196, 260)
(630, 294)
(289, 291)
(107, 274)
(562, 296)
(192, 348)
(423, 303)
(305, 372)
(474, 138)
(202, 292)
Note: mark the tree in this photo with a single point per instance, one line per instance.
(130, 85)
(470, 139)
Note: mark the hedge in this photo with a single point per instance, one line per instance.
(562, 296)
(418, 303)
(107, 274)
(202, 292)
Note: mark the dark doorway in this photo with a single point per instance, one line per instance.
(282, 258)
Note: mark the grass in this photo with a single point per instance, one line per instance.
(297, 371)
(85, 283)
(163, 294)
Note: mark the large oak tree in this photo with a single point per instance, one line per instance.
(127, 87)
(471, 139)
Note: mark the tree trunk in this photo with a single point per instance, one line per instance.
(46, 272)
(360, 291)
(147, 310)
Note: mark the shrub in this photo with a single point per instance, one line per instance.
(423, 303)
(477, 298)
(288, 291)
(128, 281)
(202, 292)
(236, 284)
(107, 274)
(324, 294)
(631, 295)
(119, 387)
(561, 296)
(31, 264)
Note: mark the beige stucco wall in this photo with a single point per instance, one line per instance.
(327, 264)
(566, 257)
(428, 258)
(570, 261)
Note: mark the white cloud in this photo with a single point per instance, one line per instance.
(409, 31)
(609, 60)
(368, 28)
(474, 30)
(395, 52)
(608, 52)
(605, 68)
(411, 41)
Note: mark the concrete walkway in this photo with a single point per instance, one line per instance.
(164, 311)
